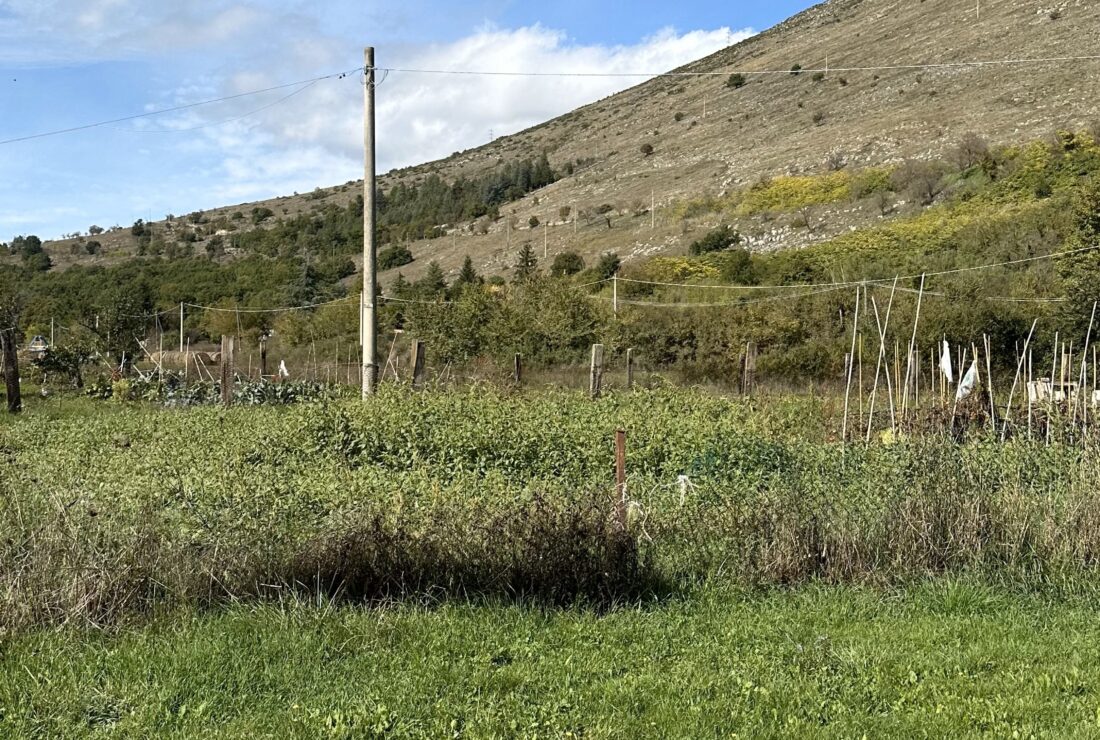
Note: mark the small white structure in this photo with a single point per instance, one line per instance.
(38, 347)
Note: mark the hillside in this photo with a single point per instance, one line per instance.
(709, 138)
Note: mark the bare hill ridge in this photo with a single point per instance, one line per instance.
(708, 137)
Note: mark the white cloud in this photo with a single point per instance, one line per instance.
(213, 48)
(94, 30)
(424, 117)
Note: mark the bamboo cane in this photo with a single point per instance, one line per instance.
(882, 329)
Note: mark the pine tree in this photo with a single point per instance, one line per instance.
(467, 275)
(400, 287)
(526, 264)
(433, 282)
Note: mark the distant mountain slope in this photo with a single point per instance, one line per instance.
(775, 124)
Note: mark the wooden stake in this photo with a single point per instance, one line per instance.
(1015, 380)
(1050, 399)
(882, 328)
(227, 370)
(620, 478)
(595, 377)
(989, 383)
(912, 346)
(630, 368)
(1081, 381)
(418, 358)
(851, 363)
(517, 369)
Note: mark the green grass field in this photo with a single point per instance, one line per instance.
(943, 660)
(448, 564)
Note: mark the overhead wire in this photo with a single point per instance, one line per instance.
(234, 119)
(863, 281)
(178, 108)
(1023, 61)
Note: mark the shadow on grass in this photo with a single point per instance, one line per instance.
(539, 553)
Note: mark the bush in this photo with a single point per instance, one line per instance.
(394, 256)
(646, 149)
(972, 151)
(716, 241)
(566, 263)
(608, 265)
(818, 76)
(923, 181)
(796, 70)
(533, 222)
(736, 81)
(679, 117)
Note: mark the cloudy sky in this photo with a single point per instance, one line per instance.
(67, 63)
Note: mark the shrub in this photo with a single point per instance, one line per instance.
(716, 241)
(608, 265)
(818, 76)
(646, 149)
(971, 151)
(394, 256)
(796, 70)
(736, 81)
(923, 181)
(679, 117)
(566, 263)
(533, 222)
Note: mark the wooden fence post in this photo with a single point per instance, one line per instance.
(517, 369)
(748, 376)
(418, 356)
(11, 370)
(227, 369)
(263, 357)
(595, 377)
(620, 478)
(630, 368)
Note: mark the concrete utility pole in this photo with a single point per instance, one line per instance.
(368, 320)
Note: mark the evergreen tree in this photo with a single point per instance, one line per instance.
(433, 282)
(400, 288)
(526, 264)
(467, 275)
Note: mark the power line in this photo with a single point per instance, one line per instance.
(281, 309)
(1032, 61)
(176, 109)
(234, 119)
(863, 281)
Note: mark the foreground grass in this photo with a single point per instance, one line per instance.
(948, 659)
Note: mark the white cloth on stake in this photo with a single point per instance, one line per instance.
(945, 362)
(969, 382)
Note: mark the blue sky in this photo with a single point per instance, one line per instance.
(70, 62)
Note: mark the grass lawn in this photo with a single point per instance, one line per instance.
(946, 659)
